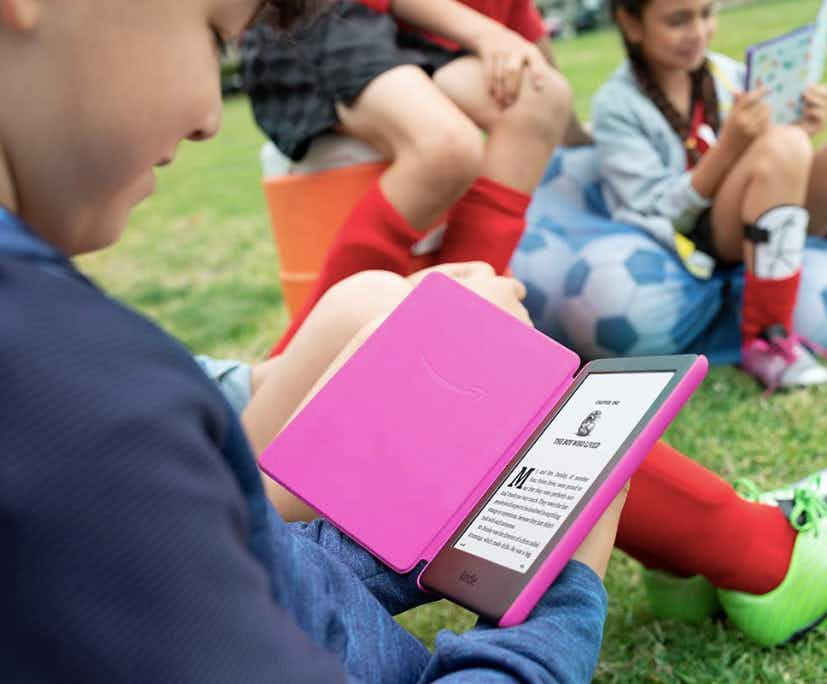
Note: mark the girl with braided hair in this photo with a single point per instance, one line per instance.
(700, 165)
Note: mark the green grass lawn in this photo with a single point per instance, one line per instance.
(199, 258)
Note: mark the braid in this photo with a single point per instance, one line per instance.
(679, 123)
(708, 94)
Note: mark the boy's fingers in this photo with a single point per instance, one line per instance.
(488, 67)
(537, 66)
(514, 285)
(513, 73)
(499, 76)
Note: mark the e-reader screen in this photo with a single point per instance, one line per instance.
(554, 474)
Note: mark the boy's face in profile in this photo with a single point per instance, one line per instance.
(97, 93)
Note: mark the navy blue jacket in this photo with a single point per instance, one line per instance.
(137, 542)
(131, 546)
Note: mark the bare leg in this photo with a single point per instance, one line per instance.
(773, 172)
(523, 136)
(817, 194)
(436, 150)
(280, 385)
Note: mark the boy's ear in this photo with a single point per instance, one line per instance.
(630, 26)
(20, 16)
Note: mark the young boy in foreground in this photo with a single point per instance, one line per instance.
(138, 543)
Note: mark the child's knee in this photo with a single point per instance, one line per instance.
(452, 155)
(785, 153)
(364, 296)
(542, 111)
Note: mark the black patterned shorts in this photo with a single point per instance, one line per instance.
(294, 81)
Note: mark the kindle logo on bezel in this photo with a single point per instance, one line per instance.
(470, 578)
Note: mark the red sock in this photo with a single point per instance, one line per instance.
(684, 519)
(374, 236)
(767, 302)
(486, 224)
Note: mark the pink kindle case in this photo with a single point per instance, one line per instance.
(398, 447)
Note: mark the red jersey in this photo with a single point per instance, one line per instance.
(518, 15)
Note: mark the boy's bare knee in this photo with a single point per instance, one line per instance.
(556, 92)
(452, 156)
(360, 298)
(385, 284)
(542, 111)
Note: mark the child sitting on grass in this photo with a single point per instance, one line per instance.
(707, 173)
(138, 544)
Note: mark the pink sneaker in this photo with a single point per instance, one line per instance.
(783, 362)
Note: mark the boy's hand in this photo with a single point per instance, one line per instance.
(749, 119)
(596, 548)
(504, 55)
(815, 109)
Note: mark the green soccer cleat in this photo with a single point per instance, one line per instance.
(694, 599)
(687, 599)
(785, 496)
(799, 603)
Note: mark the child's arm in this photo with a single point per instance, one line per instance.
(560, 642)
(632, 169)
(503, 52)
(748, 119)
(639, 178)
(325, 583)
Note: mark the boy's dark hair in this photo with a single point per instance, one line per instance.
(283, 14)
(703, 85)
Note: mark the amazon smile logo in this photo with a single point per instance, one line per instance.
(468, 577)
(473, 393)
